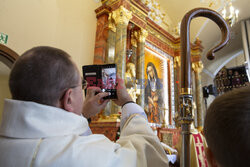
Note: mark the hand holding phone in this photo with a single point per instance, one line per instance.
(102, 76)
(122, 94)
(93, 104)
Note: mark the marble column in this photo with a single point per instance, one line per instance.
(110, 58)
(177, 63)
(110, 54)
(121, 17)
(140, 65)
(197, 68)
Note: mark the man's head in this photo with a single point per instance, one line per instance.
(47, 76)
(227, 129)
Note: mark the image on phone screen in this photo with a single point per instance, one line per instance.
(103, 76)
(108, 78)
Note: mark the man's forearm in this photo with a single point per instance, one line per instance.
(128, 110)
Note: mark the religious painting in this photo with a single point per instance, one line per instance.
(156, 87)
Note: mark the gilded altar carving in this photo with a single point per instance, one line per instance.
(177, 61)
(197, 66)
(141, 35)
(122, 16)
(155, 12)
(137, 12)
(130, 75)
(118, 14)
(133, 39)
(130, 81)
(154, 32)
(111, 23)
(195, 53)
(186, 110)
(108, 2)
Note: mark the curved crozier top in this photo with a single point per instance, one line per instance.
(185, 40)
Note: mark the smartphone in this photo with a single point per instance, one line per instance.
(102, 76)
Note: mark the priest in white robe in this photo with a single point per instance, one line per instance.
(44, 124)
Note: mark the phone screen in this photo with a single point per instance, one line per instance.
(103, 76)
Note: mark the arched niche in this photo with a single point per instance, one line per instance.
(7, 59)
(7, 55)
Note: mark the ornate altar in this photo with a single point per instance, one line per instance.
(127, 34)
(230, 78)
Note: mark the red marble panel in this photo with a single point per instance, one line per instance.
(109, 132)
(101, 38)
(109, 129)
(161, 30)
(177, 52)
(140, 5)
(139, 22)
(123, 3)
(160, 44)
(195, 58)
(104, 9)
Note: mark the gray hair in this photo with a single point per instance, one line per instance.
(42, 74)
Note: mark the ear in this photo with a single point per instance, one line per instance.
(210, 158)
(67, 101)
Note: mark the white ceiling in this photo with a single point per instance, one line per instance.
(206, 30)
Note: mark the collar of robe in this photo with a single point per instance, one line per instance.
(22, 119)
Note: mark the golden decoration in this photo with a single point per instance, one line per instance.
(133, 39)
(141, 35)
(111, 23)
(121, 16)
(185, 91)
(153, 30)
(155, 12)
(138, 12)
(109, 2)
(197, 66)
(111, 118)
(200, 128)
(131, 81)
(104, 1)
(195, 53)
(177, 61)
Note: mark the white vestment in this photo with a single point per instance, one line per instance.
(33, 134)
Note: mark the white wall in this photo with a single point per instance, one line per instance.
(4, 91)
(68, 25)
(237, 61)
(205, 81)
